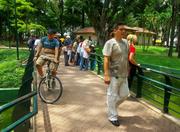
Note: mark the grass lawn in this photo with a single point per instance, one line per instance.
(11, 74)
(5, 118)
(157, 56)
(11, 70)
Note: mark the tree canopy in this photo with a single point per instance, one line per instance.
(68, 15)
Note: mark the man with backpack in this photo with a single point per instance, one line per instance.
(30, 42)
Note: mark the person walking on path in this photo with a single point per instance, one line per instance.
(85, 55)
(92, 57)
(67, 50)
(115, 53)
(78, 51)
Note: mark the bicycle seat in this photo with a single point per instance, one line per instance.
(48, 58)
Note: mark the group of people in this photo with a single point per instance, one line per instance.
(78, 53)
(118, 56)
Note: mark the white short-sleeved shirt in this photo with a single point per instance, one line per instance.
(37, 42)
(118, 53)
(84, 46)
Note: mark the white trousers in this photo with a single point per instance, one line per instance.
(117, 92)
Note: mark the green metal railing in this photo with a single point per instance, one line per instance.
(25, 117)
(99, 62)
(166, 90)
(22, 104)
(158, 84)
(8, 94)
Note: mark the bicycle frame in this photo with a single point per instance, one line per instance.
(48, 73)
(51, 83)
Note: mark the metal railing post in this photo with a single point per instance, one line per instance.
(167, 94)
(139, 83)
(99, 62)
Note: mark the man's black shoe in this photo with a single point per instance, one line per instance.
(115, 122)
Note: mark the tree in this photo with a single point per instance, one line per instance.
(173, 22)
(103, 14)
(25, 11)
(178, 44)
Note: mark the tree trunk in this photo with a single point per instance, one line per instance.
(61, 6)
(83, 18)
(1, 27)
(174, 11)
(178, 44)
(101, 32)
(154, 40)
(101, 37)
(168, 34)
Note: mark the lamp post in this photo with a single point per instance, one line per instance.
(16, 33)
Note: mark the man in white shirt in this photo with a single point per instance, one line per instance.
(115, 53)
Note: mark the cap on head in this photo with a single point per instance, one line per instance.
(92, 45)
(65, 34)
(51, 31)
(68, 36)
(58, 34)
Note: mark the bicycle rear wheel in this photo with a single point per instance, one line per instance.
(50, 90)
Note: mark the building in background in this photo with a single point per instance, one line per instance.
(144, 36)
(86, 32)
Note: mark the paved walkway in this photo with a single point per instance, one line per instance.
(82, 108)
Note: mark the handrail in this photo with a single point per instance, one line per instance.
(157, 82)
(24, 118)
(175, 71)
(167, 86)
(96, 54)
(160, 72)
(17, 101)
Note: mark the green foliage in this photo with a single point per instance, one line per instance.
(131, 20)
(2, 4)
(157, 56)
(11, 71)
(38, 28)
(25, 16)
(152, 50)
(24, 8)
(172, 62)
(155, 19)
(5, 118)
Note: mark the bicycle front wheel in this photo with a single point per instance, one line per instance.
(50, 90)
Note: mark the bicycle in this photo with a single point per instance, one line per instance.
(50, 87)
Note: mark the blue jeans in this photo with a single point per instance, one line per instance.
(92, 64)
(81, 64)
